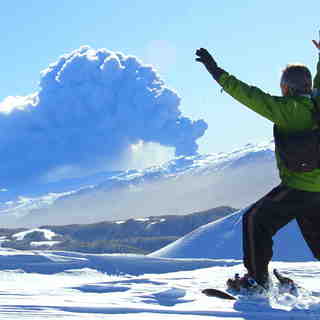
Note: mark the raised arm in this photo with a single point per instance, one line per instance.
(257, 100)
(316, 80)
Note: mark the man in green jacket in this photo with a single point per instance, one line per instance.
(298, 195)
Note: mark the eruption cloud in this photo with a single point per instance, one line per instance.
(92, 107)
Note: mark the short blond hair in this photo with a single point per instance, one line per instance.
(298, 78)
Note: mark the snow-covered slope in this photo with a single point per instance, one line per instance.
(222, 239)
(183, 185)
(66, 285)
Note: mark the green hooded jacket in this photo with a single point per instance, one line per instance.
(291, 114)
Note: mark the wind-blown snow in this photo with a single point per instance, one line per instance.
(182, 185)
(95, 108)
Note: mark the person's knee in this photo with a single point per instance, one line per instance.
(254, 217)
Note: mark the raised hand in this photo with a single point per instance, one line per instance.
(316, 43)
(206, 59)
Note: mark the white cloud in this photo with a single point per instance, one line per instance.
(12, 103)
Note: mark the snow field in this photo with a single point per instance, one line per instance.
(164, 285)
(86, 293)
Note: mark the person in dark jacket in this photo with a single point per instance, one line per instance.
(298, 195)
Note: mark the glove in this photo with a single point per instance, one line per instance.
(206, 59)
(317, 44)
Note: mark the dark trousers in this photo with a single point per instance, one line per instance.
(271, 213)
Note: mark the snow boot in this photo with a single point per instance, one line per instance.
(247, 284)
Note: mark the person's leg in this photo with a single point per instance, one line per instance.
(260, 224)
(309, 223)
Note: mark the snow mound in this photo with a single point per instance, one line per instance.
(222, 239)
(52, 262)
(45, 234)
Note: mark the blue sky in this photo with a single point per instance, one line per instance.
(251, 39)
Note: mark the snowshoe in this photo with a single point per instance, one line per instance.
(286, 285)
(245, 284)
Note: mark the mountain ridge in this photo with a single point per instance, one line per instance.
(142, 235)
(182, 185)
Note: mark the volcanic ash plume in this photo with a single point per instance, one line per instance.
(92, 107)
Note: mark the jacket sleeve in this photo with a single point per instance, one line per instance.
(264, 104)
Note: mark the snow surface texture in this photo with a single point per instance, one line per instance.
(93, 107)
(65, 285)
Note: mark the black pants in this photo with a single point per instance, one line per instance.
(271, 213)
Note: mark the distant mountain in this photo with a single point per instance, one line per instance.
(142, 235)
(180, 186)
